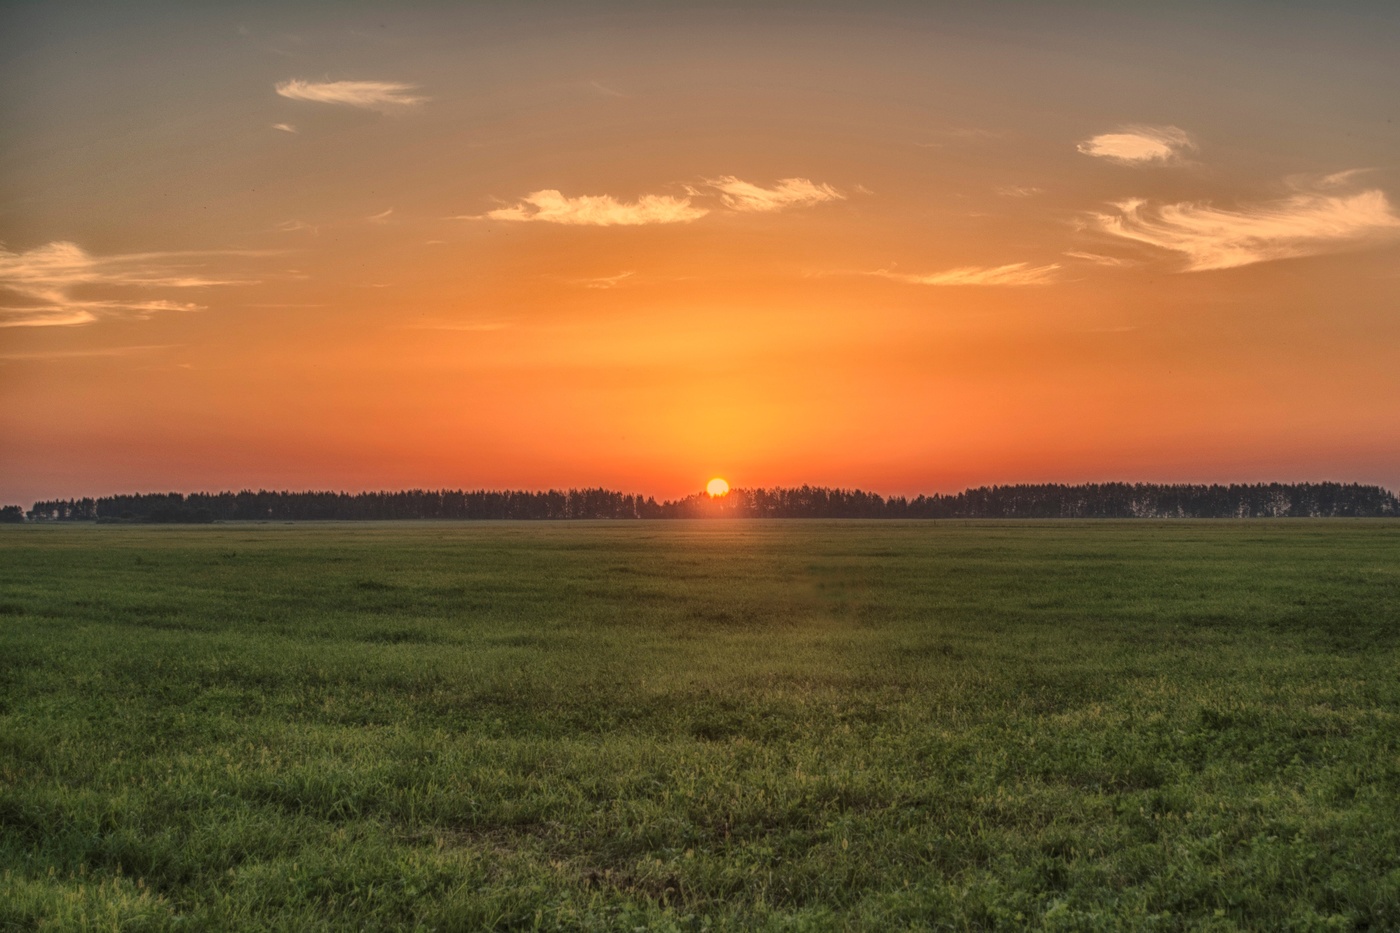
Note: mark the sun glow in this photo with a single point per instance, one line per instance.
(717, 487)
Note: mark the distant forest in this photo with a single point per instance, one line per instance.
(1106, 500)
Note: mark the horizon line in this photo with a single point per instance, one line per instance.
(544, 490)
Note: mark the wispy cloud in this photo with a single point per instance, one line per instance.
(1018, 191)
(735, 194)
(1215, 238)
(1139, 144)
(606, 281)
(1099, 259)
(1016, 273)
(601, 210)
(381, 218)
(1334, 180)
(375, 95)
(292, 226)
(53, 285)
(739, 195)
(284, 127)
(602, 88)
(45, 317)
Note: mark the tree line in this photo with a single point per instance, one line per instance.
(1096, 500)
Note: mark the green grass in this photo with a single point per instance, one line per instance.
(805, 725)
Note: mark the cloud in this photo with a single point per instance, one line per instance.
(551, 206)
(606, 281)
(1016, 273)
(381, 218)
(602, 210)
(1319, 183)
(375, 95)
(45, 284)
(284, 127)
(740, 195)
(1137, 144)
(602, 88)
(1099, 259)
(1018, 191)
(44, 317)
(291, 226)
(1216, 238)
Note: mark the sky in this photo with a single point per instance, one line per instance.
(904, 247)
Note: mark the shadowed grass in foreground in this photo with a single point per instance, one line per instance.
(702, 725)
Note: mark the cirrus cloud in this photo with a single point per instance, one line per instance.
(739, 195)
(1015, 273)
(44, 284)
(600, 210)
(606, 281)
(552, 206)
(1138, 144)
(375, 95)
(1209, 237)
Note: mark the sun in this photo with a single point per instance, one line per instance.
(717, 487)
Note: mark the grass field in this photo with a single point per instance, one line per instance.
(797, 725)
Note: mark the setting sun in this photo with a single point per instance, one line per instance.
(717, 487)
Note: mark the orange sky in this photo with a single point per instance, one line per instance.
(911, 249)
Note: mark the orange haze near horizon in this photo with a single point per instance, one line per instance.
(909, 248)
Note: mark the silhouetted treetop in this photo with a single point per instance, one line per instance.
(1096, 500)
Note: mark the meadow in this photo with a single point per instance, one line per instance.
(701, 725)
